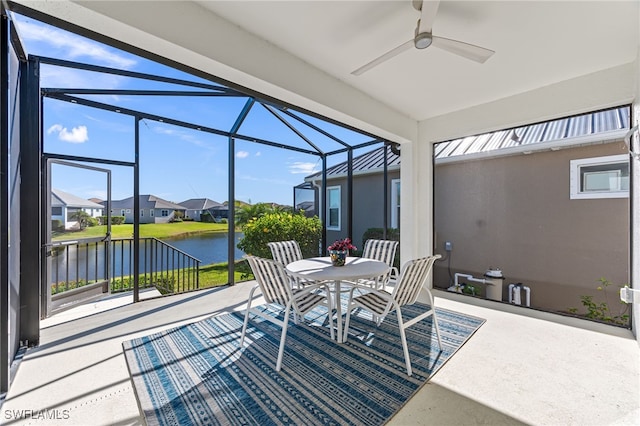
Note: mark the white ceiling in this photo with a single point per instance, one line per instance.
(537, 43)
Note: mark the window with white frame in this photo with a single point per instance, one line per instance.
(141, 212)
(600, 177)
(151, 212)
(333, 208)
(122, 212)
(395, 203)
(164, 213)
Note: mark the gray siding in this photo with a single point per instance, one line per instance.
(368, 209)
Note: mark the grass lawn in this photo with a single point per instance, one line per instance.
(212, 275)
(216, 274)
(158, 230)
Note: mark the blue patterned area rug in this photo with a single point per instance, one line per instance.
(198, 375)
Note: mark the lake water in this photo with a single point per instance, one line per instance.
(208, 249)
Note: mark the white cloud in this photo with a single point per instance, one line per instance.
(242, 154)
(78, 134)
(265, 180)
(187, 136)
(258, 154)
(54, 128)
(302, 168)
(74, 46)
(66, 77)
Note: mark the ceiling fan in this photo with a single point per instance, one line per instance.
(424, 38)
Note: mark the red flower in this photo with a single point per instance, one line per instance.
(342, 245)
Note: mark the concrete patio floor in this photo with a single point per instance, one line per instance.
(516, 369)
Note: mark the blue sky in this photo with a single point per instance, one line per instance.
(176, 163)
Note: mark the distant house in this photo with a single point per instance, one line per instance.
(65, 205)
(308, 207)
(196, 207)
(152, 209)
(368, 184)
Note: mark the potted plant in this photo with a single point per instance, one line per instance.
(339, 250)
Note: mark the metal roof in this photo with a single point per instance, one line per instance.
(587, 128)
(367, 162)
(570, 130)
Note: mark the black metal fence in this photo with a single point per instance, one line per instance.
(79, 263)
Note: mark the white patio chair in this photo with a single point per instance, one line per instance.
(274, 283)
(384, 251)
(408, 287)
(285, 252)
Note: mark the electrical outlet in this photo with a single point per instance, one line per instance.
(448, 246)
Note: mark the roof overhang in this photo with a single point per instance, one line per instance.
(548, 65)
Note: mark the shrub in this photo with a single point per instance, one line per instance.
(92, 221)
(57, 225)
(255, 211)
(206, 217)
(281, 227)
(115, 220)
(602, 311)
(378, 234)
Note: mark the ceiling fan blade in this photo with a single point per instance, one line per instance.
(460, 48)
(390, 54)
(428, 10)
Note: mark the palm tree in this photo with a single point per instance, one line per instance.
(81, 217)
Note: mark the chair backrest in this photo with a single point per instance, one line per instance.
(382, 250)
(285, 252)
(272, 279)
(412, 277)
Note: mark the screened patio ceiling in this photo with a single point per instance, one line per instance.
(246, 117)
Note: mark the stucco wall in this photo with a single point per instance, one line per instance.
(515, 213)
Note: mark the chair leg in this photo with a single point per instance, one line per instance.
(246, 316)
(435, 324)
(403, 337)
(283, 337)
(434, 318)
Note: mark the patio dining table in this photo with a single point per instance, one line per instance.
(321, 269)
